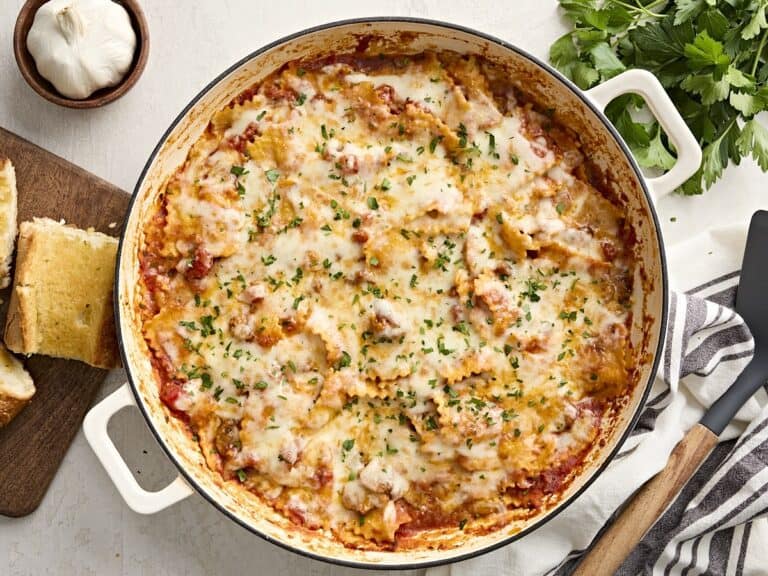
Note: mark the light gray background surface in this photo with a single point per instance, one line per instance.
(83, 527)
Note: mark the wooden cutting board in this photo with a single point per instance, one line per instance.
(34, 443)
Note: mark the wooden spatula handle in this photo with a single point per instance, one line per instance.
(645, 507)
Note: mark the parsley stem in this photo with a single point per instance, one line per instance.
(642, 9)
(759, 52)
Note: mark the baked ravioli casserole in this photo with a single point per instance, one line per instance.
(388, 295)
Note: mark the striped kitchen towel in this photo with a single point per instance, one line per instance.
(718, 523)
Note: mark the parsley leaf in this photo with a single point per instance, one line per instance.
(605, 60)
(716, 155)
(655, 154)
(705, 86)
(756, 23)
(687, 9)
(754, 139)
(706, 51)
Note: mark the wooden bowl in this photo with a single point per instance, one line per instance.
(101, 97)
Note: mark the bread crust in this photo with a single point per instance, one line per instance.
(16, 386)
(15, 322)
(8, 213)
(10, 408)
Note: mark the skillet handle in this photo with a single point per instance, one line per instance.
(648, 86)
(609, 550)
(95, 429)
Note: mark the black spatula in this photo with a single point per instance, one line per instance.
(752, 305)
(645, 507)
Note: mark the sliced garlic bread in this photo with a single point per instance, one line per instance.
(61, 304)
(16, 386)
(8, 209)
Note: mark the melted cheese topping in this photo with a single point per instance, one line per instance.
(386, 298)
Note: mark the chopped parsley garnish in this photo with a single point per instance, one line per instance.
(301, 99)
(532, 288)
(568, 316)
(373, 204)
(462, 327)
(260, 385)
(508, 415)
(344, 361)
(238, 171)
(348, 444)
(294, 223)
(410, 179)
(492, 145)
(433, 143)
(462, 132)
(241, 475)
(206, 326)
(441, 261)
(441, 347)
(265, 217)
(272, 175)
(267, 260)
(477, 403)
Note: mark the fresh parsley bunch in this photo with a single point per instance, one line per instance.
(708, 54)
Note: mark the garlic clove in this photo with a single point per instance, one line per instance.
(81, 46)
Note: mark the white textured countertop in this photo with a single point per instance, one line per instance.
(83, 526)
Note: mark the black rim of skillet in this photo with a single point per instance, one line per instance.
(664, 286)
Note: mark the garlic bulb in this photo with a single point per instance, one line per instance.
(80, 46)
